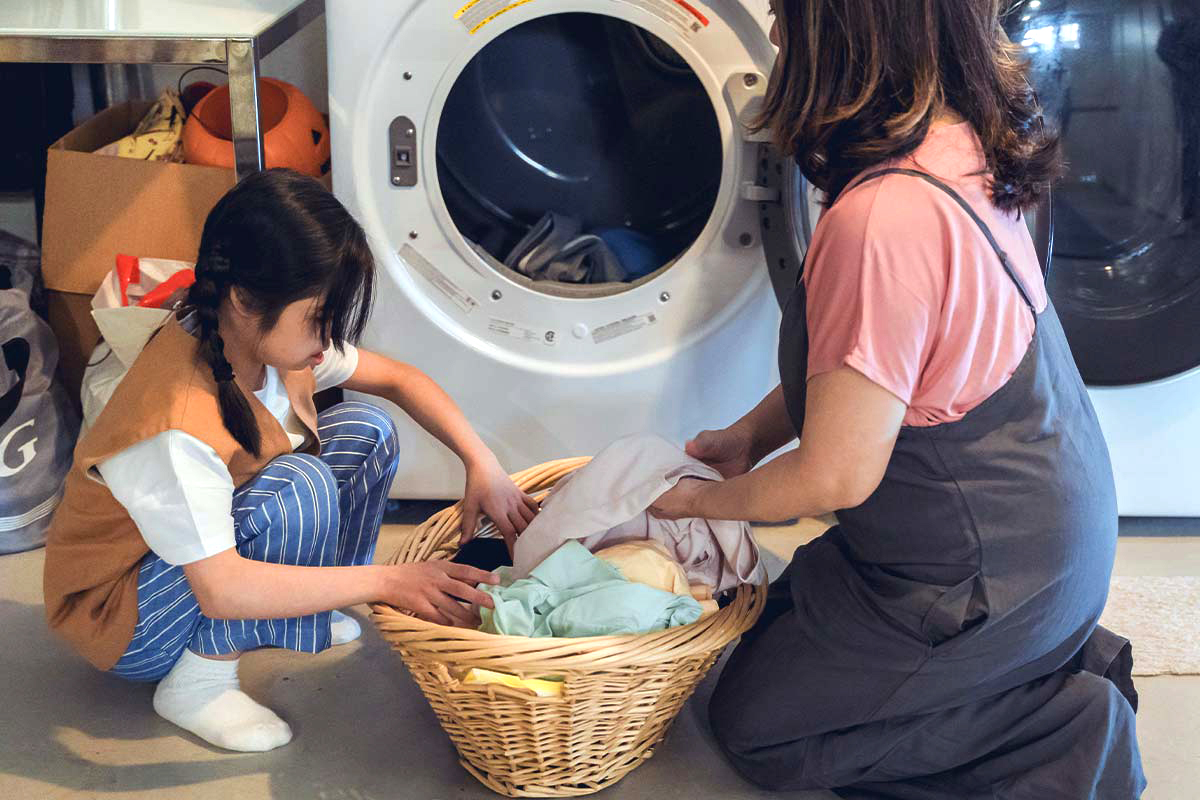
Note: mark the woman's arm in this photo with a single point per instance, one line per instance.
(850, 430)
(768, 425)
(735, 450)
(488, 488)
(228, 586)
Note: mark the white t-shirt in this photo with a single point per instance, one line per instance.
(178, 491)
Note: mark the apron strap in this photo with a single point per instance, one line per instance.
(987, 232)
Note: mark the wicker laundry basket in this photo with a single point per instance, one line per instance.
(620, 693)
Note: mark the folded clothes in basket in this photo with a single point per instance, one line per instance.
(605, 503)
(649, 562)
(574, 593)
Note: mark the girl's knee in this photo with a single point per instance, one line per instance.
(306, 504)
(366, 419)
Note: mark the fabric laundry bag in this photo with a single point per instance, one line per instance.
(134, 300)
(38, 424)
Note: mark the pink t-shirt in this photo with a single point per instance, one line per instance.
(904, 287)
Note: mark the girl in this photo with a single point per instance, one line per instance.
(941, 640)
(211, 510)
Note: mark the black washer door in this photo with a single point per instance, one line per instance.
(1121, 80)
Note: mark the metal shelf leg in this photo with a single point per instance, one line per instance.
(243, 106)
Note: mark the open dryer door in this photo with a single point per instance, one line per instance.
(459, 130)
(789, 208)
(1121, 81)
(634, 160)
(1122, 84)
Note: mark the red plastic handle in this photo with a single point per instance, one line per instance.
(180, 280)
(128, 272)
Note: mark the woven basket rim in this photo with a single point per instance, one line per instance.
(467, 647)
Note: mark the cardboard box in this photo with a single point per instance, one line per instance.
(99, 206)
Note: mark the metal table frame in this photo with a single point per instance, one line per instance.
(240, 56)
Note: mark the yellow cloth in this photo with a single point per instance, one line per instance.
(647, 561)
(539, 686)
(158, 137)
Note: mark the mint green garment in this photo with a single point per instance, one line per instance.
(573, 593)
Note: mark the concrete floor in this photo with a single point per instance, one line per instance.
(364, 732)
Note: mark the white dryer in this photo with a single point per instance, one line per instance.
(457, 126)
(1122, 82)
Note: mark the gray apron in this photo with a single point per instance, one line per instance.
(941, 641)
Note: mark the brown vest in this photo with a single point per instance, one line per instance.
(93, 546)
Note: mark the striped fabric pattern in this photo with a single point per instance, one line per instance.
(300, 510)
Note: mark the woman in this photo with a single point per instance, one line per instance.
(941, 641)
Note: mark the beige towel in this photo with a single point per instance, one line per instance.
(605, 503)
(649, 562)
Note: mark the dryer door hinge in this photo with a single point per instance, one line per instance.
(757, 193)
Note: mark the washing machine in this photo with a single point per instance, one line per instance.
(462, 129)
(1122, 83)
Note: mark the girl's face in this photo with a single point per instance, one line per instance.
(294, 342)
(774, 35)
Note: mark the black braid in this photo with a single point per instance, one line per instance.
(205, 297)
(278, 238)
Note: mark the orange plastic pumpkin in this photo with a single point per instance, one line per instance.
(295, 134)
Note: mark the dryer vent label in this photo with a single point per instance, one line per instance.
(524, 333)
(621, 327)
(477, 13)
(679, 13)
(418, 263)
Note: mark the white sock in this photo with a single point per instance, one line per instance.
(343, 628)
(203, 696)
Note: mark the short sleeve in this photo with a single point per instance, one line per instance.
(873, 285)
(179, 494)
(336, 368)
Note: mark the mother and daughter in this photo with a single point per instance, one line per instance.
(940, 642)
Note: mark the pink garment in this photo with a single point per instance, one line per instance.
(604, 503)
(904, 288)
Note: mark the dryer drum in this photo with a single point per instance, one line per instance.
(587, 117)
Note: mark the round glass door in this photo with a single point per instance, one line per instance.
(1121, 81)
(579, 150)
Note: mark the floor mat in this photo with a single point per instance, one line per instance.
(1161, 616)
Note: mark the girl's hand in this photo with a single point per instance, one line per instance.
(490, 491)
(727, 451)
(679, 502)
(436, 590)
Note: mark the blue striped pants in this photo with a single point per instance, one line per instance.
(300, 510)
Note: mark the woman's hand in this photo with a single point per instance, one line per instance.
(490, 491)
(727, 451)
(681, 501)
(436, 590)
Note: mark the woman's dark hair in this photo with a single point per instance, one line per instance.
(278, 237)
(858, 82)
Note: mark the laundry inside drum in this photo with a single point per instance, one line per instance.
(578, 151)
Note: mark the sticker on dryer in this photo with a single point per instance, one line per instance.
(524, 333)
(621, 327)
(418, 263)
(679, 13)
(477, 13)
